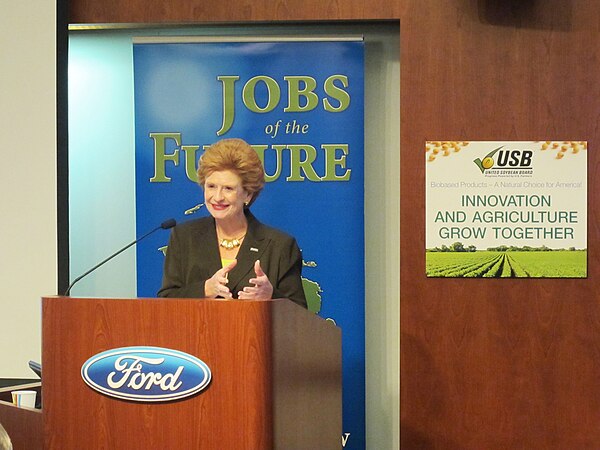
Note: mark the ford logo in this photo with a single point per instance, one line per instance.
(146, 374)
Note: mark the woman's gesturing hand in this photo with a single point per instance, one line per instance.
(216, 286)
(262, 288)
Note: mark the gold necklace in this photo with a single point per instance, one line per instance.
(231, 243)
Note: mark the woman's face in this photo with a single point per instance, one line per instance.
(224, 195)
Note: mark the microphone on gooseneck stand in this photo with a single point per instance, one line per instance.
(170, 223)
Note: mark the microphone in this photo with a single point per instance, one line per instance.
(170, 223)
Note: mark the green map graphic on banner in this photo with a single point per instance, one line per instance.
(506, 209)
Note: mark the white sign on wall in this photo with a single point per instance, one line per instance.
(506, 209)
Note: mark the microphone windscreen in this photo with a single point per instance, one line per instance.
(170, 223)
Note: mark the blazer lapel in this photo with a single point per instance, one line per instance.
(253, 246)
(206, 245)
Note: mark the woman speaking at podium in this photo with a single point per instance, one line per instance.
(231, 254)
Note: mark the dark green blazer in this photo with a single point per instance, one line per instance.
(193, 257)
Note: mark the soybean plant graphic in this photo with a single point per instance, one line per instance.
(312, 289)
(488, 160)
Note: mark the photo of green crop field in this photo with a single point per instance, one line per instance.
(509, 264)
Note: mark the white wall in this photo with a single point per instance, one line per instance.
(28, 250)
(382, 238)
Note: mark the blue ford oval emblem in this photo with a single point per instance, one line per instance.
(146, 374)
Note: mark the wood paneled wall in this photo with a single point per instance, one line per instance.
(498, 364)
(158, 11)
(485, 364)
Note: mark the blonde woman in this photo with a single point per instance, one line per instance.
(231, 254)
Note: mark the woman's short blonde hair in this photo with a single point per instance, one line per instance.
(239, 157)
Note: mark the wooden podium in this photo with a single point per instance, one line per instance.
(276, 375)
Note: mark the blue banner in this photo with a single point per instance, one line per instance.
(300, 105)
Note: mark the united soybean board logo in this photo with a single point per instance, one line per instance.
(146, 374)
(506, 162)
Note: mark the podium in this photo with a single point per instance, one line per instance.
(276, 375)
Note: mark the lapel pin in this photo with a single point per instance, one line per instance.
(252, 249)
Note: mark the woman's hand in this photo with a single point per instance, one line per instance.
(262, 289)
(216, 286)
